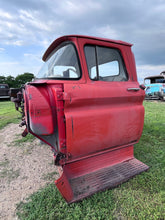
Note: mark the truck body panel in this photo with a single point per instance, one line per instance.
(88, 106)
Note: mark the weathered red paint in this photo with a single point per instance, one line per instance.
(90, 125)
(40, 114)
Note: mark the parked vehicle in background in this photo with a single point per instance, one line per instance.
(4, 91)
(155, 86)
(162, 93)
(162, 90)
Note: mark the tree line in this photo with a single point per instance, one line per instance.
(16, 82)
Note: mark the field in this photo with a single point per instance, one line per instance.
(142, 197)
(8, 114)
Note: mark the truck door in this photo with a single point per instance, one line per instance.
(107, 111)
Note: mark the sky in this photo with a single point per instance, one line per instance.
(28, 27)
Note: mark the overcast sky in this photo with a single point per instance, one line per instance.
(28, 27)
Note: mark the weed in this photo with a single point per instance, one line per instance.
(4, 163)
(49, 176)
(10, 174)
(28, 138)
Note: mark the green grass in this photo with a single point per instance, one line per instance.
(8, 114)
(142, 197)
(49, 204)
(29, 138)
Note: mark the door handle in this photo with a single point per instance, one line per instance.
(133, 89)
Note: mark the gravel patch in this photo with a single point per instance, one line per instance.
(23, 169)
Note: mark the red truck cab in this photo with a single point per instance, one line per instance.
(87, 105)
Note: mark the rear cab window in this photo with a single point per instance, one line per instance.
(105, 64)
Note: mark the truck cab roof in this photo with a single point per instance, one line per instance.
(69, 37)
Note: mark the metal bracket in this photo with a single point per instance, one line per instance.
(60, 159)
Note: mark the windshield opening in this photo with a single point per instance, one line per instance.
(62, 64)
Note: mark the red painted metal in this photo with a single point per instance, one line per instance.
(90, 125)
(82, 178)
(40, 114)
(72, 38)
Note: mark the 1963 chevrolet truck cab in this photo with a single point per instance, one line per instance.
(86, 104)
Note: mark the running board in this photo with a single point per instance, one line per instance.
(105, 178)
(76, 187)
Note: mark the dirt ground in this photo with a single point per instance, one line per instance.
(24, 168)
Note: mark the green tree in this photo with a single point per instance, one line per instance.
(23, 78)
(18, 81)
(10, 80)
(2, 79)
